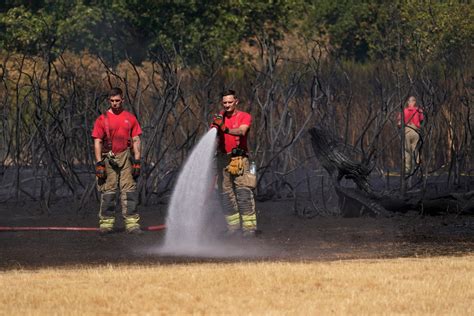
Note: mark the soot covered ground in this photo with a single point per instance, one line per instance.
(285, 237)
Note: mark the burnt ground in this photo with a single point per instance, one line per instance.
(284, 237)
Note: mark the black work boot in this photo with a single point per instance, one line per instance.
(135, 231)
(251, 233)
(105, 231)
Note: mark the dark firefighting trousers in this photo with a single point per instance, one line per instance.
(237, 195)
(119, 176)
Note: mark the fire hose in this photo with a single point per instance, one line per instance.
(66, 228)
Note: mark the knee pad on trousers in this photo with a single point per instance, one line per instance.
(245, 201)
(129, 203)
(107, 207)
(229, 204)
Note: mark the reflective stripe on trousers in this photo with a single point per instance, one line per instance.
(233, 221)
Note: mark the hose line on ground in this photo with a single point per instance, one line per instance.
(66, 228)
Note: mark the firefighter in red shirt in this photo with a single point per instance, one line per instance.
(413, 119)
(116, 136)
(235, 180)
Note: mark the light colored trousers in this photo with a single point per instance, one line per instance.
(412, 157)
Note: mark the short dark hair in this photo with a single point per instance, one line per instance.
(228, 92)
(115, 91)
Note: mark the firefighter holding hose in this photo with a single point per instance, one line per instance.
(117, 152)
(236, 180)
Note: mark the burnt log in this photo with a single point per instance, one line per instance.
(458, 203)
(353, 203)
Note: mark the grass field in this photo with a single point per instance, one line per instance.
(441, 285)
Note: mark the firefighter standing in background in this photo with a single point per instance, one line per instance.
(116, 136)
(235, 181)
(413, 119)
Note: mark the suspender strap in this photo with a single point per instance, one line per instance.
(107, 131)
(130, 139)
(237, 138)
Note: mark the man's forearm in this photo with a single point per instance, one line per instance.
(98, 149)
(136, 143)
(236, 132)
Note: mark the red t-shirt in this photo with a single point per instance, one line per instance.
(122, 127)
(413, 115)
(226, 141)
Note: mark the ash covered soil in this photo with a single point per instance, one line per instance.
(284, 237)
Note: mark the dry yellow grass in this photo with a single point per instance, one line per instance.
(443, 285)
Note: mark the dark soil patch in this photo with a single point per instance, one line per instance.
(285, 237)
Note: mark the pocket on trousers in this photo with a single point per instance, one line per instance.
(249, 180)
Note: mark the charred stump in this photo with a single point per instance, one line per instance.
(329, 152)
(352, 202)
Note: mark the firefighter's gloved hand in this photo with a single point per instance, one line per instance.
(218, 122)
(100, 170)
(236, 166)
(136, 168)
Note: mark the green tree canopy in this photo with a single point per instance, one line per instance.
(118, 29)
(214, 30)
(363, 30)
